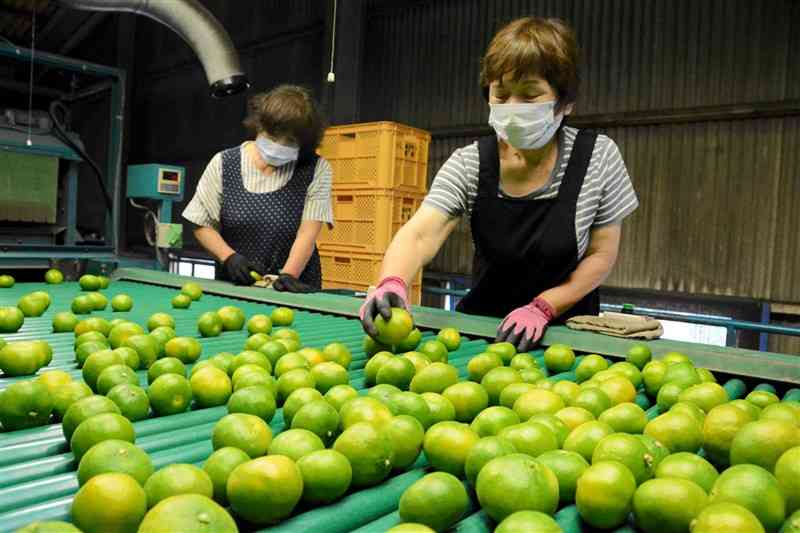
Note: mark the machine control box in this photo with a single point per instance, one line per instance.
(157, 182)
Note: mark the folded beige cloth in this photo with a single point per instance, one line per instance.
(618, 325)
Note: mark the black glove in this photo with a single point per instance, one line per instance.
(238, 268)
(288, 283)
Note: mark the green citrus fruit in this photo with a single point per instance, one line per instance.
(121, 332)
(64, 322)
(219, 466)
(537, 402)
(295, 443)
(99, 302)
(328, 374)
(67, 394)
(396, 329)
(490, 421)
(116, 375)
(160, 319)
(247, 432)
(132, 401)
(787, 472)
(170, 394)
(49, 526)
(338, 395)
(441, 408)
(719, 428)
(677, 431)
(188, 512)
(109, 502)
(668, 395)
(176, 479)
(254, 400)
(762, 442)
(121, 303)
(232, 318)
(726, 518)
(762, 398)
(484, 451)
(192, 290)
(559, 358)
(167, 365)
(83, 409)
(210, 387)
(265, 490)
(604, 494)
(667, 505)
(25, 404)
(481, 364)
(750, 408)
(625, 418)
(524, 361)
(653, 375)
(516, 482)
(89, 282)
(435, 377)
(705, 395)
(451, 338)
(689, 466)
(11, 319)
(186, 349)
(337, 352)
(318, 417)
(147, 348)
(639, 355)
(326, 474)
(364, 409)
(115, 456)
(512, 392)
(468, 399)
(574, 416)
(584, 438)
(412, 404)
(781, 411)
(369, 450)
(437, 500)
(690, 409)
(180, 301)
(6, 281)
(282, 316)
(407, 435)
(528, 521)
(99, 428)
(506, 350)
(259, 324)
(82, 305)
(755, 489)
(593, 400)
(435, 350)
(447, 445)
(629, 451)
(568, 468)
(408, 344)
(496, 380)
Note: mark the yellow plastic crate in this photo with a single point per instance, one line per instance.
(377, 155)
(358, 272)
(366, 221)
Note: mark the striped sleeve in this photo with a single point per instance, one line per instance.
(205, 205)
(450, 189)
(318, 199)
(618, 199)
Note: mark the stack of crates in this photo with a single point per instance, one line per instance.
(380, 174)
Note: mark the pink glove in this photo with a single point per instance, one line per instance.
(523, 327)
(390, 292)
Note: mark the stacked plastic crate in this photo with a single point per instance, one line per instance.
(379, 180)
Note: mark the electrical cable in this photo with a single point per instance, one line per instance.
(61, 133)
(152, 240)
(331, 74)
(29, 141)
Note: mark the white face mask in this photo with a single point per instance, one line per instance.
(525, 126)
(276, 154)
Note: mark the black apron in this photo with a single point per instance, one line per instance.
(524, 247)
(263, 226)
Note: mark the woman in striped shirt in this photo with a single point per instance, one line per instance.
(260, 206)
(545, 201)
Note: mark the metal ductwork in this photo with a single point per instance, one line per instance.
(197, 26)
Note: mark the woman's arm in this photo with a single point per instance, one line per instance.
(417, 243)
(302, 248)
(592, 270)
(212, 241)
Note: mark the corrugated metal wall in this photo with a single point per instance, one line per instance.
(715, 212)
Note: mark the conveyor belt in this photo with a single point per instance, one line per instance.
(37, 471)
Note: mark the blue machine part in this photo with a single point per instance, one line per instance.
(157, 182)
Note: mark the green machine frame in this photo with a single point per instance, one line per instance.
(34, 255)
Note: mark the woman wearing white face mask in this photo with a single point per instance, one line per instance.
(545, 201)
(260, 206)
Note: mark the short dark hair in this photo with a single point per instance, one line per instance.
(288, 110)
(534, 45)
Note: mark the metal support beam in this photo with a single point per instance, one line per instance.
(72, 204)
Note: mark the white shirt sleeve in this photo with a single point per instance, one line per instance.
(318, 204)
(204, 208)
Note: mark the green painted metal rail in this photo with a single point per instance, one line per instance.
(37, 470)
